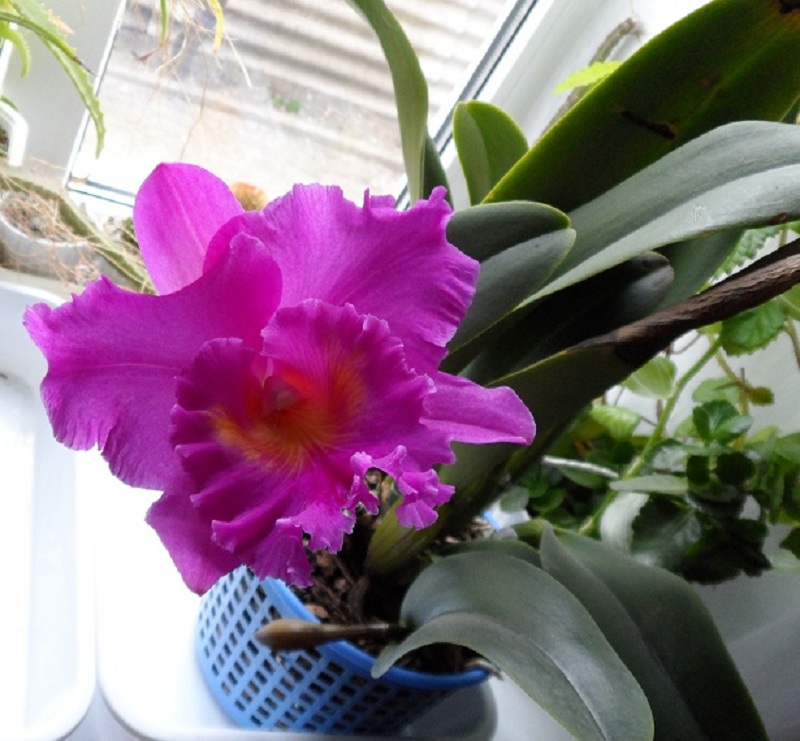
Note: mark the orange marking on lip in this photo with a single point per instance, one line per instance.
(295, 419)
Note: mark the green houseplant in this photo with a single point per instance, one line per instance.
(32, 16)
(20, 16)
(591, 262)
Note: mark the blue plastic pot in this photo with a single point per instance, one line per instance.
(324, 690)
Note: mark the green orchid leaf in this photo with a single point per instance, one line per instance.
(487, 230)
(433, 174)
(664, 634)
(753, 329)
(687, 194)
(489, 142)
(620, 422)
(684, 82)
(623, 294)
(535, 631)
(695, 261)
(504, 546)
(654, 380)
(589, 75)
(410, 89)
(508, 278)
(561, 385)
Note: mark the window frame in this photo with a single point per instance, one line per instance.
(536, 47)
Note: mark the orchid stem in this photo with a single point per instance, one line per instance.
(288, 634)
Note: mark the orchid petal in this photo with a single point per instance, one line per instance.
(187, 537)
(470, 413)
(178, 210)
(279, 553)
(291, 351)
(421, 491)
(113, 357)
(374, 396)
(278, 437)
(419, 485)
(396, 265)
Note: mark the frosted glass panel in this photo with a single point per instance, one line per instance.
(299, 91)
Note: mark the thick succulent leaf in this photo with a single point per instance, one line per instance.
(664, 634)
(433, 174)
(484, 231)
(598, 305)
(686, 81)
(506, 546)
(508, 278)
(534, 630)
(489, 142)
(410, 88)
(739, 175)
(695, 261)
(559, 387)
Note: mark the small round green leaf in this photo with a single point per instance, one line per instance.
(619, 421)
(653, 380)
(752, 329)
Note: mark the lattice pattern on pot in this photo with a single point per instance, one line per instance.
(309, 691)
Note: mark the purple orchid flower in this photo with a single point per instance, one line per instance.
(290, 351)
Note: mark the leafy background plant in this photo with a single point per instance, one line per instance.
(697, 495)
(640, 177)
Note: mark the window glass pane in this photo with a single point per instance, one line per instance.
(299, 91)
